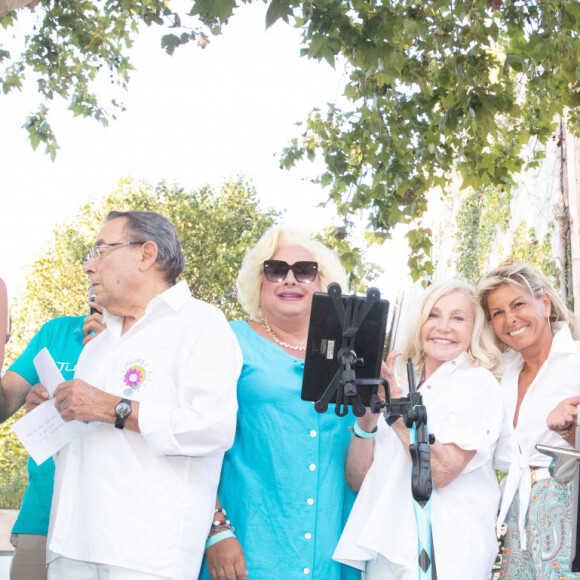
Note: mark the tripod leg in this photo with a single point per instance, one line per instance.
(321, 406)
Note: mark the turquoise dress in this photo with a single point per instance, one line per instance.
(283, 483)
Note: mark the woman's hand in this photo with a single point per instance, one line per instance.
(564, 415)
(388, 372)
(226, 561)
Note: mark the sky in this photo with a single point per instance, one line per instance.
(197, 117)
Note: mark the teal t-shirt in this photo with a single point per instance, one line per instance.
(64, 339)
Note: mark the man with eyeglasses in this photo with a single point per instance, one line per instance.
(134, 497)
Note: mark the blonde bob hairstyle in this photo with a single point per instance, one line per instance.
(482, 349)
(251, 273)
(531, 280)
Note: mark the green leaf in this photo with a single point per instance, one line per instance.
(278, 9)
(326, 179)
(220, 10)
(170, 42)
(34, 140)
(11, 82)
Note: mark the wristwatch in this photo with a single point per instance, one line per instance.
(122, 411)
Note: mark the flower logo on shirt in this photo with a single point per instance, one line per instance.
(134, 376)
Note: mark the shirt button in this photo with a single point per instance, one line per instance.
(312, 467)
(310, 501)
(308, 535)
(453, 362)
(313, 433)
(306, 570)
(428, 386)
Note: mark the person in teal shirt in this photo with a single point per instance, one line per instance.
(282, 484)
(63, 337)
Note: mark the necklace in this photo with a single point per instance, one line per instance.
(275, 338)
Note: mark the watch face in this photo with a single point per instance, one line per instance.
(122, 409)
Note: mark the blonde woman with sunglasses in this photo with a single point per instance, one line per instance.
(282, 484)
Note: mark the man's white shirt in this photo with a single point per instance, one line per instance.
(144, 501)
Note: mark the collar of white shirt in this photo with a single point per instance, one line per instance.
(174, 297)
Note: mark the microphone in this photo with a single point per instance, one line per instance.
(92, 298)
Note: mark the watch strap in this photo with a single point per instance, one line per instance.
(120, 419)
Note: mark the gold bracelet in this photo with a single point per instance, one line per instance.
(565, 432)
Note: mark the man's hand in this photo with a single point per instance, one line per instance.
(564, 414)
(226, 561)
(36, 396)
(77, 399)
(93, 323)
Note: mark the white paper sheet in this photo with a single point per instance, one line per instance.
(42, 431)
(48, 373)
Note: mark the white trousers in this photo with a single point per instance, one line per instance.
(67, 569)
(382, 569)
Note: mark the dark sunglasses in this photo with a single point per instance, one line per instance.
(277, 270)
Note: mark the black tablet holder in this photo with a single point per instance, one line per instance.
(344, 386)
(344, 383)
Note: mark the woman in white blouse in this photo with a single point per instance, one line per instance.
(452, 350)
(541, 374)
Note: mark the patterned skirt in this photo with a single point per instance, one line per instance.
(548, 535)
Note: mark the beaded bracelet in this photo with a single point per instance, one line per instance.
(358, 432)
(223, 535)
(220, 525)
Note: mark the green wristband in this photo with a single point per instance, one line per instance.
(363, 434)
(219, 537)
